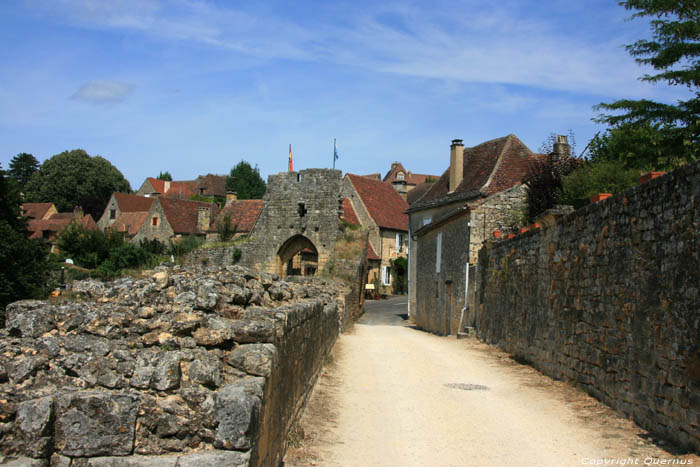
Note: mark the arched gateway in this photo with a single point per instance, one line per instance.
(297, 257)
(298, 225)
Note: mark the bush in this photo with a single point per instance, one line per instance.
(185, 245)
(237, 255)
(593, 178)
(224, 228)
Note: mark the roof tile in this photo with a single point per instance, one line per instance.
(385, 205)
(244, 213)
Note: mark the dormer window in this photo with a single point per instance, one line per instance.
(399, 176)
(154, 221)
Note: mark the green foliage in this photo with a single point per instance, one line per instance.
(245, 181)
(25, 268)
(185, 245)
(209, 199)
(74, 178)
(669, 134)
(22, 167)
(544, 182)
(153, 246)
(224, 228)
(400, 276)
(165, 176)
(237, 253)
(593, 178)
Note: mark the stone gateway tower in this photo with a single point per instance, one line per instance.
(298, 225)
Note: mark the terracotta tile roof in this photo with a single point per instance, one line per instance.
(213, 185)
(57, 224)
(157, 184)
(490, 167)
(183, 215)
(371, 254)
(349, 213)
(35, 210)
(385, 205)
(409, 177)
(182, 190)
(415, 194)
(133, 203)
(376, 176)
(244, 213)
(62, 216)
(130, 222)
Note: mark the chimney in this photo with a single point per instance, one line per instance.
(231, 196)
(166, 187)
(78, 213)
(456, 164)
(204, 218)
(561, 149)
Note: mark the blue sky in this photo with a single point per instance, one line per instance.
(193, 87)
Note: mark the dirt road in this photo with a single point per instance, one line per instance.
(397, 396)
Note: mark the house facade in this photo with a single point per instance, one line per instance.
(379, 208)
(171, 219)
(204, 185)
(125, 213)
(404, 181)
(45, 222)
(483, 190)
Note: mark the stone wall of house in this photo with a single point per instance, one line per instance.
(608, 298)
(190, 366)
(162, 232)
(296, 204)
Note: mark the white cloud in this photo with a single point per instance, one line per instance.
(103, 91)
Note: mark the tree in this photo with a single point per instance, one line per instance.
(245, 181)
(25, 267)
(674, 51)
(22, 167)
(593, 178)
(165, 176)
(74, 178)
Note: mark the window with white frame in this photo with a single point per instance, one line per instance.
(386, 275)
(400, 241)
(427, 220)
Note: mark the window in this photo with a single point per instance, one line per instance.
(427, 220)
(400, 240)
(154, 221)
(438, 253)
(302, 210)
(386, 275)
(112, 213)
(399, 176)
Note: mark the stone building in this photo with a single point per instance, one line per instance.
(45, 222)
(242, 216)
(404, 180)
(382, 211)
(300, 217)
(171, 219)
(125, 213)
(204, 185)
(481, 191)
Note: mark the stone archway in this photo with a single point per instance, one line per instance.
(297, 256)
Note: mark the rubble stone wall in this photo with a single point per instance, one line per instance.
(189, 367)
(608, 298)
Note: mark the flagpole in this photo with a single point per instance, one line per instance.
(334, 153)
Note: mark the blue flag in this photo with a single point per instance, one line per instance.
(335, 150)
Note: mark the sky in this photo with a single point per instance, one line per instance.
(195, 86)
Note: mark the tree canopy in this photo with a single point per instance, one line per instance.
(22, 167)
(25, 267)
(74, 178)
(165, 176)
(245, 181)
(668, 135)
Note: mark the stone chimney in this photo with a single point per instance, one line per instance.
(456, 164)
(166, 187)
(78, 213)
(204, 218)
(561, 149)
(231, 196)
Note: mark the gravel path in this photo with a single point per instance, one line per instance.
(392, 397)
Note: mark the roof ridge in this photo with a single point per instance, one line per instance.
(505, 147)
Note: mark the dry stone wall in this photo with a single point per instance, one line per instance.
(608, 298)
(189, 367)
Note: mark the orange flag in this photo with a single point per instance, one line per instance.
(291, 165)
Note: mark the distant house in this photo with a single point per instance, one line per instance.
(45, 222)
(172, 218)
(482, 190)
(243, 214)
(205, 185)
(125, 213)
(382, 211)
(404, 181)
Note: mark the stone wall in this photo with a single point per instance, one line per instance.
(607, 298)
(296, 204)
(222, 256)
(187, 367)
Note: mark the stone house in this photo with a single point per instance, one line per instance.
(172, 218)
(45, 222)
(482, 190)
(244, 213)
(125, 213)
(204, 185)
(404, 180)
(380, 209)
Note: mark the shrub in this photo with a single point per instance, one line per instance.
(593, 178)
(224, 228)
(237, 255)
(185, 245)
